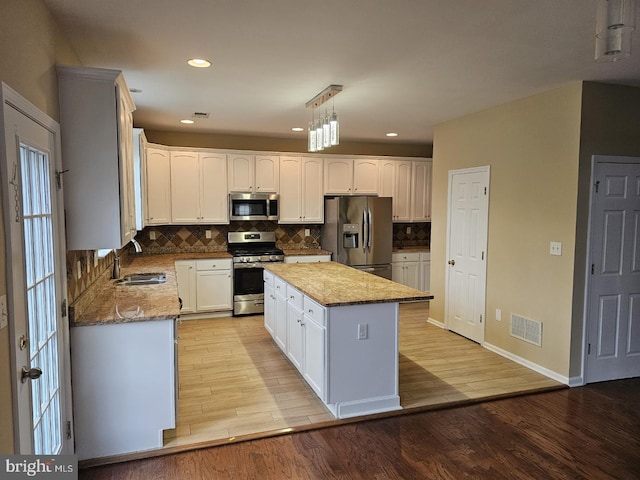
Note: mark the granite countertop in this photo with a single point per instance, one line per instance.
(109, 303)
(332, 284)
(306, 251)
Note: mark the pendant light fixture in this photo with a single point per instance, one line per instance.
(323, 132)
(616, 22)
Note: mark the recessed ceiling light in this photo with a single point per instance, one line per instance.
(392, 134)
(187, 121)
(199, 63)
(297, 129)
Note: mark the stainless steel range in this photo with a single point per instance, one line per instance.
(251, 250)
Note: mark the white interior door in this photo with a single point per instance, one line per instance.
(613, 329)
(36, 281)
(467, 218)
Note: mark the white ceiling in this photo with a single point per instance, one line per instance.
(406, 65)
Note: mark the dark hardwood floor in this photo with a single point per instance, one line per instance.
(590, 432)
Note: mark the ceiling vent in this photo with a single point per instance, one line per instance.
(526, 329)
(200, 115)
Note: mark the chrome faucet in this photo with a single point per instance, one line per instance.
(136, 245)
(116, 259)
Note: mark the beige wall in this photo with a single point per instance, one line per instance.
(532, 146)
(30, 45)
(182, 139)
(610, 126)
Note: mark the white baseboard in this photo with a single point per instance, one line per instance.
(533, 366)
(435, 322)
(576, 381)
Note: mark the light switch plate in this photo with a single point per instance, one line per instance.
(207, 233)
(152, 235)
(555, 248)
(307, 232)
(4, 315)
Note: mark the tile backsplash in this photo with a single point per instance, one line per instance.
(194, 238)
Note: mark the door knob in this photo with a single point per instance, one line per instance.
(30, 373)
(451, 262)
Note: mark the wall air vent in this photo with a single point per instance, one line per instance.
(200, 115)
(526, 329)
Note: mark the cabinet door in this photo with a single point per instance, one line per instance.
(213, 188)
(186, 279)
(158, 186)
(281, 320)
(213, 290)
(269, 309)
(312, 196)
(314, 355)
(402, 196)
(387, 180)
(185, 195)
(338, 176)
(241, 172)
(267, 174)
(290, 204)
(295, 336)
(412, 274)
(397, 272)
(421, 192)
(127, 192)
(425, 275)
(365, 176)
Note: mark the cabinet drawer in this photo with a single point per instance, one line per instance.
(268, 277)
(294, 296)
(314, 310)
(214, 264)
(405, 257)
(424, 256)
(280, 286)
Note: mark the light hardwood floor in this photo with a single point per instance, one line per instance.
(235, 383)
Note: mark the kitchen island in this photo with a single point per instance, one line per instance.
(339, 327)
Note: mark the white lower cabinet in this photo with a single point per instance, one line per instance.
(405, 269)
(186, 278)
(314, 346)
(124, 386)
(299, 330)
(425, 271)
(205, 285)
(269, 304)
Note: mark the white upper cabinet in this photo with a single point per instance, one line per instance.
(346, 176)
(301, 198)
(421, 191)
(158, 186)
(253, 173)
(198, 188)
(96, 116)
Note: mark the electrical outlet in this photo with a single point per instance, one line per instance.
(96, 257)
(555, 248)
(498, 314)
(152, 235)
(207, 234)
(408, 230)
(4, 315)
(363, 331)
(78, 270)
(307, 232)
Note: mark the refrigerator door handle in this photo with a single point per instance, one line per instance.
(365, 231)
(370, 225)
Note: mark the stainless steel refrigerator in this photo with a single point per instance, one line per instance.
(359, 232)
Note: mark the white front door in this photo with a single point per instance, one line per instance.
(36, 279)
(613, 325)
(467, 218)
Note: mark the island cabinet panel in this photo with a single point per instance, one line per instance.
(269, 304)
(123, 386)
(348, 354)
(280, 321)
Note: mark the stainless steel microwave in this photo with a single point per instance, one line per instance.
(253, 206)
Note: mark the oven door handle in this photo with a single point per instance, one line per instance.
(247, 265)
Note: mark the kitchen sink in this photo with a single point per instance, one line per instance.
(142, 279)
